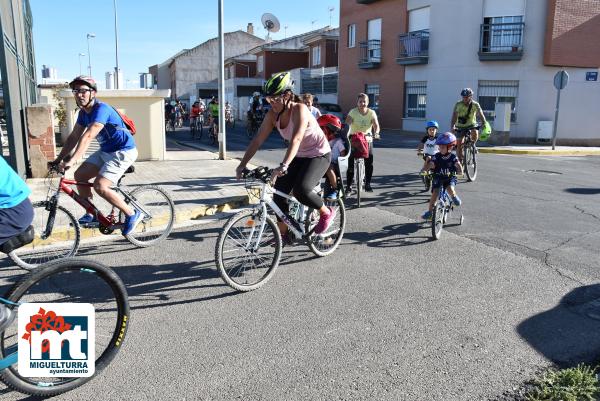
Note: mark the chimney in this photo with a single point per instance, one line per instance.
(250, 29)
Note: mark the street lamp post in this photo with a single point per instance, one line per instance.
(80, 56)
(90, 35)
(222, 147)
(116, 48)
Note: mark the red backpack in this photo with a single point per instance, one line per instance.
(127, 122)
(360, 146)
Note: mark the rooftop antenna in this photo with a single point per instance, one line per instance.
(270, 23)
(285, 32)
(312, 24)
(331, 8)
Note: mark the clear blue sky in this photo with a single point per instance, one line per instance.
(151, 31)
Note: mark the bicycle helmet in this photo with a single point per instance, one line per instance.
(278, 84)
(256, 94)
(432, 123)
(466, 92)
(84, 80)
(331, 122)
(447, 138)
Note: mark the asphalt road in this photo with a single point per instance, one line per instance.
(391, 315)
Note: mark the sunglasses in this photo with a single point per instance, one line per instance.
(274, 99)
(77, 91)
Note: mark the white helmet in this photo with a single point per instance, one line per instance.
(255, 94)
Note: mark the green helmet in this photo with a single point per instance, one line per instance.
(278, 84)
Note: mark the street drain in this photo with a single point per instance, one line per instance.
(543, 172)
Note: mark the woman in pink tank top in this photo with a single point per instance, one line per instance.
(307, 157)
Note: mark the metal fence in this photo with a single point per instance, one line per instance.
(413, 44)
(501, 38)
(370, 51)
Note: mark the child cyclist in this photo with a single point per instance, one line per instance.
(445, 167)
(331, 125)
(427, 146)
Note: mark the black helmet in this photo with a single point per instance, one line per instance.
(466, 92)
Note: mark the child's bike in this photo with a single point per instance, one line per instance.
(442, 209)
(58, 233)
(73, 280)
(249, 247)
(425, 175)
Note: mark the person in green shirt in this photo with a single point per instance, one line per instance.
(213, 109)
(464, 117)
(362, 119)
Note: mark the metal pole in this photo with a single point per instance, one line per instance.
(80, 55)
(89, 57)
(222, 142)
(116, 48)
(555, 120)
(322, 79)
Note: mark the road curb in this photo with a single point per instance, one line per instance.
(539, 152)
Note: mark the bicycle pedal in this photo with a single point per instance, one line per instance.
(91, 225)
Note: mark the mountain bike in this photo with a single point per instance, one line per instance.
(469, 153)
(442, 209)
(213, 130)
(196, 127)
(249, 247)
(58, 233)
(74, 280)
(253, 124)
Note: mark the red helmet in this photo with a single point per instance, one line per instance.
(84, 80)
(331, 122)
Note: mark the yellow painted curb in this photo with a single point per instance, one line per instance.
(540, 152)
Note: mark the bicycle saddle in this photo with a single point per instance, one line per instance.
(18, 241)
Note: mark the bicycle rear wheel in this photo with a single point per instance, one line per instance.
(326, 243)
(243, 263)
(470, 160)
(437, 220)
(158, 215)
(62, 243)
(72, 280)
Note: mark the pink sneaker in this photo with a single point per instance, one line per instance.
(325, 221)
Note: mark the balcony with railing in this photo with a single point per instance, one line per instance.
(370, 54)
(413, 48)
(501, 41)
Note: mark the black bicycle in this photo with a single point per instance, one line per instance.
(469, 152)
(73, 280)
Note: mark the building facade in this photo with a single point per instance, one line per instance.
(18, 81)
(510, 53)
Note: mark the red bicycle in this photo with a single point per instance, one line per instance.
(58, 233)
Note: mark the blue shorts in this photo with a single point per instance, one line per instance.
(445, 181)
(15, 220)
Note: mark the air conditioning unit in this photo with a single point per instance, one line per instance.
(544, 132)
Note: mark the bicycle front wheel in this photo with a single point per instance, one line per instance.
(158, 215)
(437, 220)
(72, 280)
(63, 241)
(470, 160)
(246, 259)
(359, 181)
(326, 243)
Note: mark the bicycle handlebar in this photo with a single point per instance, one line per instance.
(260, 173)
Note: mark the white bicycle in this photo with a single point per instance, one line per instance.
(249, 247)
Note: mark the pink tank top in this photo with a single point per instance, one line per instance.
(314, 143)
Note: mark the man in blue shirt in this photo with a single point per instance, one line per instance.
(117, 150)
(16, 212)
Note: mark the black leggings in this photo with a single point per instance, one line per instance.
(368, 167)
(302, 177)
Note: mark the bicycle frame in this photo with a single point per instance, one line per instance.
(105, 221)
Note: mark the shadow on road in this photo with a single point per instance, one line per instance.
(391, 236)
(583, 191)
(568, 333)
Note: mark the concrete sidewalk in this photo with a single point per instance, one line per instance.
(541, 150)
(199, 184)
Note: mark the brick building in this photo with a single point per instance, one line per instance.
(413, 57)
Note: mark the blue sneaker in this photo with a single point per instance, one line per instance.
(426, 215)
(88, 219)
(456, 200)
(131, 222)
(331, 195)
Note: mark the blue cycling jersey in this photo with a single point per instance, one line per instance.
(13, 189)
(444, 164)
(113, 136)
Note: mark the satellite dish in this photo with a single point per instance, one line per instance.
(270, 22)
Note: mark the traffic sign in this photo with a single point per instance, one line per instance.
(561, 79)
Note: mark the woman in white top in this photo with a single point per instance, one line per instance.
(307, 99)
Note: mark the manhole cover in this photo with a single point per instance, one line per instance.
(544, 172)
